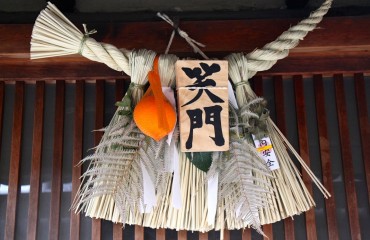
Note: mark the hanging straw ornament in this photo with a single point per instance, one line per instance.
(114, 176)
(291, 196)
(244, 186)
(112, 187)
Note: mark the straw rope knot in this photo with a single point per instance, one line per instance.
(241, 83)
(175, 24)
(136, 85)
(85, 37)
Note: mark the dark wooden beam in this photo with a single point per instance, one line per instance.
(74, 70)
(338, 34)
(296, 4)
(66, 6)
(339, 44)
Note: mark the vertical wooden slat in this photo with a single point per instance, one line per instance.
(77, 155)
(36, 161)
(160, 233)
(246, 234)
(120, 85)
(304, 151)
(279, 103)
(117, 231)
(139, 232)
(364, 125)
(267, 230)
(349, 181)
(1, 114)
(226, 234)
(181, 235)
(117, 227)
(280, 122)
(56, 181)
(15, 157)
(203, 236)
(331, 219)
(99, 123)
(1, 109)
(258, 88)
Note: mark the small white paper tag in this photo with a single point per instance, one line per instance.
(265, 149)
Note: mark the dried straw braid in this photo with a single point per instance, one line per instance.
(55, 35)
(115, 155)
(264, 58)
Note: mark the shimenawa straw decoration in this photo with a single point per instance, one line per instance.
(125, 158)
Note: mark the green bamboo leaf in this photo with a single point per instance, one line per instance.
(201, 160)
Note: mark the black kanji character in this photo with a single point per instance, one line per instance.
(195, 116)
(213, 116)
(201, 82)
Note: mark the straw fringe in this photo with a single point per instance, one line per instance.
(54, 35)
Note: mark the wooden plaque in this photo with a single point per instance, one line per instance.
(202, 88)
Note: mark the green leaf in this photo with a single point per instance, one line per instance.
(123, 103)
(126, 104)
(201, 160)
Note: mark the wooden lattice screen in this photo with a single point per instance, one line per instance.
(319, 97)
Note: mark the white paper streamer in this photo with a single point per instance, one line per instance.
(170, 95)
(149, 198)
(176, 189)
(175, 166)
(232, 98)
(212, 199)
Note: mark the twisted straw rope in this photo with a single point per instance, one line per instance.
(264, 58)
(258, 60)
(118, 59)
(107, 54)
